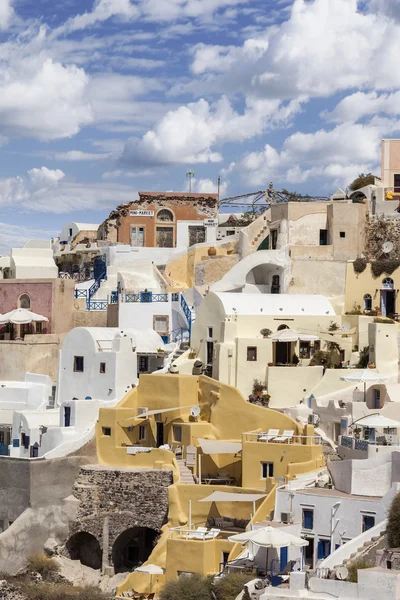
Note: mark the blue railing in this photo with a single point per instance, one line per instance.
(347, 442)
(146, 297)
(81, 293)
(360, 445)
(84, 274)
(176, 335)
(97, 304)
(188, 314)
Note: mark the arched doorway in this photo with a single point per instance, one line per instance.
(388, 297)
(132, 547)
(283, 350)
(85, 547)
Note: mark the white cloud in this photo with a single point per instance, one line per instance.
(188, 134)
(324, 47)
(390, 8)
(6, 12)
(78, 155)
(102, 11)
(15, 236)
(50, 191)
(361, 104)
(207, 186)
(335, 156)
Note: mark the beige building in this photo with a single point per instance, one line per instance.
(391, 164)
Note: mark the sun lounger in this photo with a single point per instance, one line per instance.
(267, 437)
(286, 436)
(200, 533)
(213, 533)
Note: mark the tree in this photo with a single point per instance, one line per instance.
(393, 526)
(362, 180)
(195, 587)
(230, 586)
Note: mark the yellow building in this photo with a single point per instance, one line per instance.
(379, 295)
(222, 439)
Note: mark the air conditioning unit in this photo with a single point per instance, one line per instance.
(141, 410)
(286, 517)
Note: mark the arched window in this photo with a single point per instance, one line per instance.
(24, 301)
(388, 283)
(282, 327)
(165, 215)
(367, 302)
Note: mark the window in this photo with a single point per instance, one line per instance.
(39, 327)
(342, 234)
(317, 346)
(368, 521)
(323, 237)
(143, 364)
(70, 231)
(102, 367)
(177, 433)
(230, 232)
(197, 234)
(275, 287)
(210, 333)
(274, 239)
(251, 353)
(324, 549)
(78, 364)
(396, 182)
(160, 324)
(305, 349)
(165, 215)
(165, 237)
(308, 518)
(142, 433)
(107, 431)
(389, 430)
(25, 301)
(388, 283)
(367, 302)
(2, 437)
(267, 470)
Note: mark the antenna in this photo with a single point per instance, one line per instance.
(387, 247)
(190, 176)
(195, 411)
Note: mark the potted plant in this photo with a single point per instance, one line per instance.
(357, 433)
(258, 387)
(378, 311)
(265, 332)
(192, 354)
(372, 365)
(295, 360)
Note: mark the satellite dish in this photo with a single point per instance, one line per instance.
(342, 573)
(195, 411)
(387, 247)
(346, 326)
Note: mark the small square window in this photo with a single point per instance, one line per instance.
(177, 433)
(305, 349)
(251, 353)
(79, 364)
(368, 521)
(107, 431)
(142, 433)
(342, 234)
(210, 333)
(267, 470)
(102, 367)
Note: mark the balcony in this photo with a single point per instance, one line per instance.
(286, 437)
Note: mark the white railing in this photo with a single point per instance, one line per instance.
(201, 533)
(267, 438)
(344, 552)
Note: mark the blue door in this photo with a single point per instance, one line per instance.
(324, 549)
(99, 267)
(368, 522)
(377, 398)
(67, 416)
(284, 558)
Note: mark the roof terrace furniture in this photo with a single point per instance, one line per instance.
(286, 436)
(267, 437)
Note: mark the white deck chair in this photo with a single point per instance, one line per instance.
(272, 433)
(213, 533)
(200, 533)
(286, 436)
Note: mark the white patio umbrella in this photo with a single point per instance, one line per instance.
(269, 537)
(151, 570)
(21, 316)
(377, 421)
(365, 376)
(290, 335)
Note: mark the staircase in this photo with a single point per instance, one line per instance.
(250, 237)
(186, 474)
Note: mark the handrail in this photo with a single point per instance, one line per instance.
(93, 289)
(188, 314)
(267, 438)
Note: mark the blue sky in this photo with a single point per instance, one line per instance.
(99, 100)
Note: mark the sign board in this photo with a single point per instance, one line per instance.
(141, 213)
(191, 456)
(210, 222)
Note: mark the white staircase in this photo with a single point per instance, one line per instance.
(186, 474)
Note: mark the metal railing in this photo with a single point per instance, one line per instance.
(81, 293)
(145, 297)
(268, 438)
(186, 533)
(359, 444)
(97, 304)
(84, 274)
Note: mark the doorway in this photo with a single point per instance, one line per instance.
(388, 302)
(67, 416)
(282, 353)
(137, 236)
(160, 434)
(309, 552)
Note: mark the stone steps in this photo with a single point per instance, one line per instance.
(186, 474)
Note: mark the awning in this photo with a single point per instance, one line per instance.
(232, 497)
(219, 446)
(376, 421)
(137, 418)
(290, 335)
(21, 316)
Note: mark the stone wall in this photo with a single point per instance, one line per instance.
(89, 318)
(123, 498)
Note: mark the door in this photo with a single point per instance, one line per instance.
(197, 234)
(282, 353)
(284, 559)
(377, 398)
(160, 434)
(397, 183)
(165, 237)
(137, 236)
(210, 353)
(390, 302)
(67, 416)
(309, 552)
(336, 432)
(99, 268)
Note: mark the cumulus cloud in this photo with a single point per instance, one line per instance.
(188, 134)
(6, 12)
(15, 236)
(50, 191)
(336, 155)
(361, 104)
(78, 155)
(324, 47)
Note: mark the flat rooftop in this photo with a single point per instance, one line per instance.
(335, 494)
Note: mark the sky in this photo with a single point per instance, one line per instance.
(102, 99)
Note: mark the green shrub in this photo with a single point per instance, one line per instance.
(393, 526)
(50, 591)
(359, 265)
(319, 358)
(195, 587)
(230, 586)
(362, 180)
(383, 320)
(356, 310)
(361, 563)
(258, 386)
(385, 265)
(363, 361)
(43, 564)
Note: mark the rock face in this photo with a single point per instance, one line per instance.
(119, 510)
